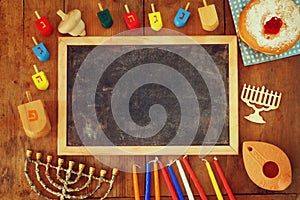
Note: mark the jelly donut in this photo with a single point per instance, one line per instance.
(270, 26)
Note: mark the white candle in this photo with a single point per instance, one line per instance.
(185, 181)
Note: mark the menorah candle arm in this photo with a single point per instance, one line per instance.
(78, 176)
(86, 185)
(111, 182)
(58, 177)
(37, 163)
(51, 181)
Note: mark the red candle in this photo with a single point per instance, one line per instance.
(194, 178)
(168, 181)
(223, 179)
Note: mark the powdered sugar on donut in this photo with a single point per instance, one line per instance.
(286, 10)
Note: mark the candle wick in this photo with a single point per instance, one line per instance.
(215, 158)
(185, 156)
(137, 165)
(204, 160)
(171, 162)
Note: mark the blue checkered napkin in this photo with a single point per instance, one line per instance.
(249, 55)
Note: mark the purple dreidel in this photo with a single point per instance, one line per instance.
(40, 50)
(182, 16)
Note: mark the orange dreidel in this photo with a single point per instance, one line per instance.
(43, 24)
(131, 19)
(71, 23)
(34, 118)
(104, 17)
(40, 79)
(208, 16)
(155, 19)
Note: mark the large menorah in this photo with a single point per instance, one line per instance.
(259, 97)
(64, 188)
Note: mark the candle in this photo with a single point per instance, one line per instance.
(156, 181)
(223, 179)
(213, 180)
(175, 182)
(185, 181)
(148, 181)
(135, 183)
(168, 182)
(194, 178)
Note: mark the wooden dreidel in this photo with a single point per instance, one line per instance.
(34, 118)
(104, 17)
(40, 50)
(40, 80)
(43, 24)
(71, 23)
(182, 16)
(267, 165)
(155, 19)
(131, 19)
(208, 16)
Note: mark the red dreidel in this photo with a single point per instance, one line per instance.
(40, 79)
(43, 24)
(40, 50)
(131, 19)
(104, 17)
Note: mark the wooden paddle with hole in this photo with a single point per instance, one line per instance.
(267, 165)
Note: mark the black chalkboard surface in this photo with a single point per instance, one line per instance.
(143, 95)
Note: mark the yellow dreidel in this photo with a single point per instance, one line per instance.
(34, 118)
(208, 16)
(40, 79)
(155, 19)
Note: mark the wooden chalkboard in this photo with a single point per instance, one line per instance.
(100, 77)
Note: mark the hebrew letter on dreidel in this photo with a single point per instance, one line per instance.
(32, 115)
(259, 97)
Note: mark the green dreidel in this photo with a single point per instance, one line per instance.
(104, 17)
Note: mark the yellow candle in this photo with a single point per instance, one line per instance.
(213, 180)
(135, 183)
(156, 182)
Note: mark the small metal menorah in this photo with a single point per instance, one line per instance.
(267, 100)
(63, 190)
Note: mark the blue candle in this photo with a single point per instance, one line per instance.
(175, 182)
(148, 181)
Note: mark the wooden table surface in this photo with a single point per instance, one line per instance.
(16, 28)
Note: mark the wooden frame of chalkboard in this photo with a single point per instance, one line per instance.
(229, 147)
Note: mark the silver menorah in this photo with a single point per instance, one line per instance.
(259, 97)
(64, 189)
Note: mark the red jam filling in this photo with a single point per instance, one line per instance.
(273, 26)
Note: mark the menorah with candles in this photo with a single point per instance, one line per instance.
(259, 97)
(64, 189)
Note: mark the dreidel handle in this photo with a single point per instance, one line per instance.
(204, 3)
(37, 15)
(187, 6)
(28, 95)
(100, 6)
(127, 9)
(152, 7)
(35, 68)
(34, 40)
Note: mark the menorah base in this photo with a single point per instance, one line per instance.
(256, 118)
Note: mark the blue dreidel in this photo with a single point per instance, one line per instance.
(182, 16)
(40, 50)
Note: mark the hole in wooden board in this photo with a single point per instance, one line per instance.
(270, 169)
